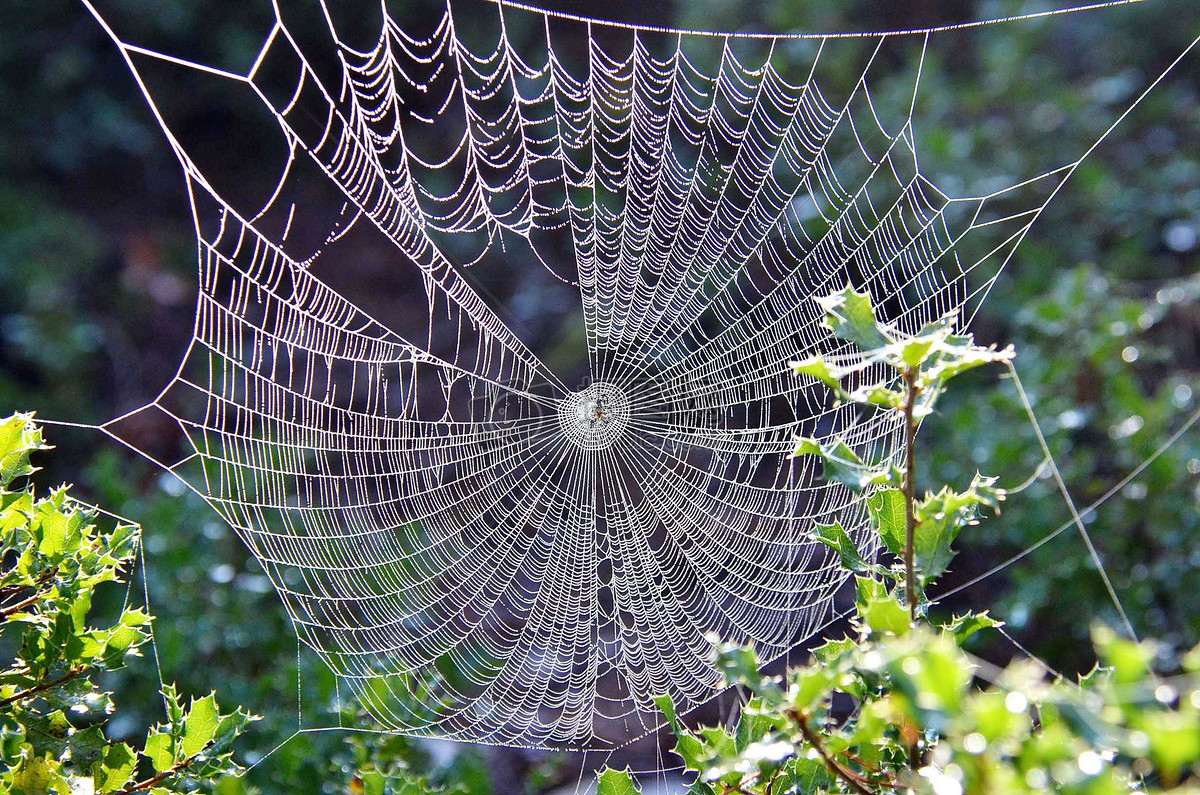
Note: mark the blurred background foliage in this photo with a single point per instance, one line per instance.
(1102, 302)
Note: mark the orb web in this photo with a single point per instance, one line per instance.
(478, 549)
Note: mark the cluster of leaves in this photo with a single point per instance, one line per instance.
(384, 766)
(916, 370)
(52, 714)
(900, 705)
(216, 620)
(920, 723)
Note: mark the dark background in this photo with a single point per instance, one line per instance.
(97, 265)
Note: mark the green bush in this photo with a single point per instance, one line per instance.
(55, 556)
(1110, 369)
(927, 716)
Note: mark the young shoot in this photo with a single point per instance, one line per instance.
(917, 369)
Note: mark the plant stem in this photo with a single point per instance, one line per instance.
(154, 781)
(910, 489)
(19, 606)
(910, 517)
(44, 686)
(851, 778)
(8, 610)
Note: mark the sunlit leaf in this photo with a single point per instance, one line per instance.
(887, 511)
(835, 537)
(200, 725)
(850, 316)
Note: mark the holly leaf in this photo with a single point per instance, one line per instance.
(616, 782)
(54, 525)
(689, 747)
(879, 609)
(667, 707)
(19, 437)
(173, 704)
(931, 546)
(757, 721)
(1093, 679)
(887, 510)
(941, 516)
(160, 750)
(955, 355)
(816, 367)
(807, 776)
(116, 770)
(875, 395)
(831, 652)
(850, 316)
(842, 464)
(925, 344)
(835, 537)
(200, 725)
(968, 624)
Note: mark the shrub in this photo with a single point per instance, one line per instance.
(54, 556)
(927, 716)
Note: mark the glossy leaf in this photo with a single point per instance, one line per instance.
(616, 782)
(835, 537)
(850, 316)
(888, 516)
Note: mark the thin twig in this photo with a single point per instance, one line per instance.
(851, 778)
(19, 606)
(159, 778)
(910, 489)
(44, 686)
(12, 591)
(910, 518)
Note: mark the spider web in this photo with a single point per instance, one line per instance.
(479, 548)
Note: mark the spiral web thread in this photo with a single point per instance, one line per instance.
(478, 550)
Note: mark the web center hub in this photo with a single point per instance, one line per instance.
(594, 417)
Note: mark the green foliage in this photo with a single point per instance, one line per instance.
(923, 724)
(932, 356)
(217, 620)
(918, 367)
(926, 716)
(835, 537)
(843, 465)
(52, 714)
(613, 782)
